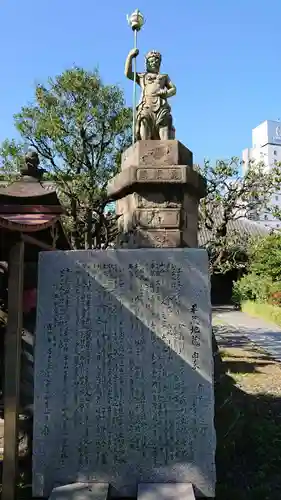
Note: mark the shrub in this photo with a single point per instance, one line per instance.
(265, 256)
(254, 287)
(263, 283)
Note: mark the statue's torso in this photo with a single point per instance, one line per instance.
(150, 84)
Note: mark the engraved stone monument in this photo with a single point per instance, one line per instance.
(124, 370)
(123, 362)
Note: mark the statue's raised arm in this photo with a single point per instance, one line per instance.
(129, 65)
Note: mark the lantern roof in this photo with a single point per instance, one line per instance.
(25, 205)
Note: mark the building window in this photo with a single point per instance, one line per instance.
(276, 198)
(266, 217)
(275, 152)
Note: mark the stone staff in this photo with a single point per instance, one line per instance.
(136, 21)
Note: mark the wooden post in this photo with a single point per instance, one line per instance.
(12, 371)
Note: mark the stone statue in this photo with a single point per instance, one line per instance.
(153, 117)
(30, 168)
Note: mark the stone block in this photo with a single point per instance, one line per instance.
(157, 153)
(164, 239)
(149, 219)
(168, 218)
(124, 370)
(166, 198)
(148, 238)
(134, 177)
(80, 491)
(190, 226)
(156, 176)
(158, 491)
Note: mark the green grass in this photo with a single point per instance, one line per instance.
(248, 430)
(217, 321)
(262, 310)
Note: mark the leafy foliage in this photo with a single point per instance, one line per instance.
(253, 287)
(11, 154)
(232, 196)
(263, 282)
(79, 127)
(265, 255)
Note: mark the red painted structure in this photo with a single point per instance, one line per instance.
(29, 222)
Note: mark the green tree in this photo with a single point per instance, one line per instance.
(232, 196)
(79, 127)
(265, 257)
(11, 153)
(263, 280)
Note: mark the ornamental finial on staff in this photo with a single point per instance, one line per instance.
(136, 22)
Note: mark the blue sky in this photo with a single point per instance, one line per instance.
(222, 55)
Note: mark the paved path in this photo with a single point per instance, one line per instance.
(241, 327)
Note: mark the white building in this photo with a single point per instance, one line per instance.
(266, 148)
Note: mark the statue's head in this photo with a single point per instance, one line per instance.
(31, 164)
(153, 61)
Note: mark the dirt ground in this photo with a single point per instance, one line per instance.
(248, 424)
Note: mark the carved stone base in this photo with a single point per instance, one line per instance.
(157, 196)
(157, 153)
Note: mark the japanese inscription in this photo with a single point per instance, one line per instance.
(195, 336)
(128, 371)
(155, 174)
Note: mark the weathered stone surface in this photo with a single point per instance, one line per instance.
(158, 491)
(163, 239)
(124, 370)
(157, 153)
(148, 238)
(80, 491)
(168, 198)
(148, 221)
(160, 174)
(190, 224)
(157, 175)
(158, 218)
(129, 179)
(166, 222)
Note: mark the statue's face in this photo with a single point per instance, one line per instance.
(153, 64)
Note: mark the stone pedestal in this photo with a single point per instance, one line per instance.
(157, 193)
